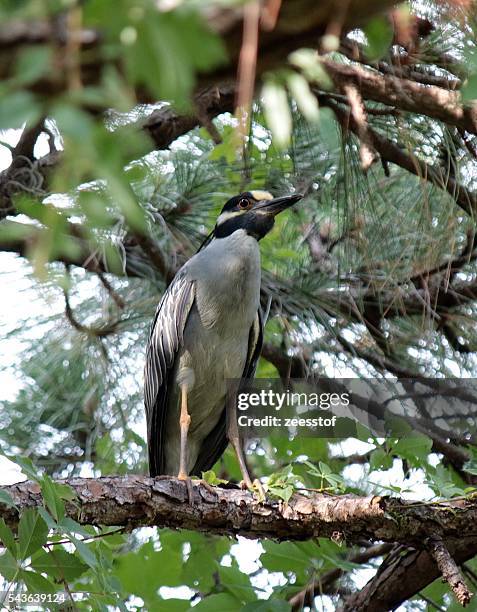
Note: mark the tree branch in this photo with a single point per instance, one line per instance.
(391, 152)
(299, 24)
(403, 574)
(136, 501)
(21, 238)
(434, 102)
(324, 583)
(165, 125)
(355, 52)
(449, 570)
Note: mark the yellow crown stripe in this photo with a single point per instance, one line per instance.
(261, 195)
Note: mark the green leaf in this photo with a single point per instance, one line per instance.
(6, 499)
(305, 99)
(284, 492)
(143, 571)
(166, 49)
(7, 538)
(174, 605)
(27, 467)
(227, 149)
(309, 63)
(237, 583)
(124, 198)
(73, 122)
(470, 467)
(380, 459)
(211, 478)
(443, 481)
(413, 447)
(36, 583)
(283, 557)
(68, 524)
(65, 492)
(324, 469)
(8, 566)
(32, 63)
(339, 562)
(95, 208)
(18, 108)
(53, 501)
(46, 516)
(198, 570)
(219, 602)
(85, 552)
(469, 90)
(277, 112)
(59, 564)
(379, 34)
(10, 231)
(328, 130)
(32, 533)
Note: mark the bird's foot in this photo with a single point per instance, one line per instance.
(188, 483)
(207, 486)
(254, 487)
(259, 490)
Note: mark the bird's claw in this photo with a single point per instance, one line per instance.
(207, 486)
(190, 490)
(255, 487)
(259, 490)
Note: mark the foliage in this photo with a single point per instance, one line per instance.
(79, 410)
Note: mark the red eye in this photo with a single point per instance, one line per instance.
(244, 203)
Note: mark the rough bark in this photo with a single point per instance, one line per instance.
(402, 93)
(403, 574)
(449, 570)
(166, 125)
(136, 501)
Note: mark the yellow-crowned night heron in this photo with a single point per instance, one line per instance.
(207, 329)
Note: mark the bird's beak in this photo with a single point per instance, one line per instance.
(277, 205)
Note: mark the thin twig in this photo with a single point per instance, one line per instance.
(120, 303)
(73, 48)
(98, 332)
(89, 538)
(247, 66)
(367, 153)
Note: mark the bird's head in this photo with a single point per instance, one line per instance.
(252, 211)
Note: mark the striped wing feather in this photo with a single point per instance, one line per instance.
(165, 339)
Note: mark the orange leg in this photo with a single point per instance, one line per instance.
(241, 460)
(184, 422)
(234, 438)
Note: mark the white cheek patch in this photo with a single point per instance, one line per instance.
(227, 215)
(261, 195)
